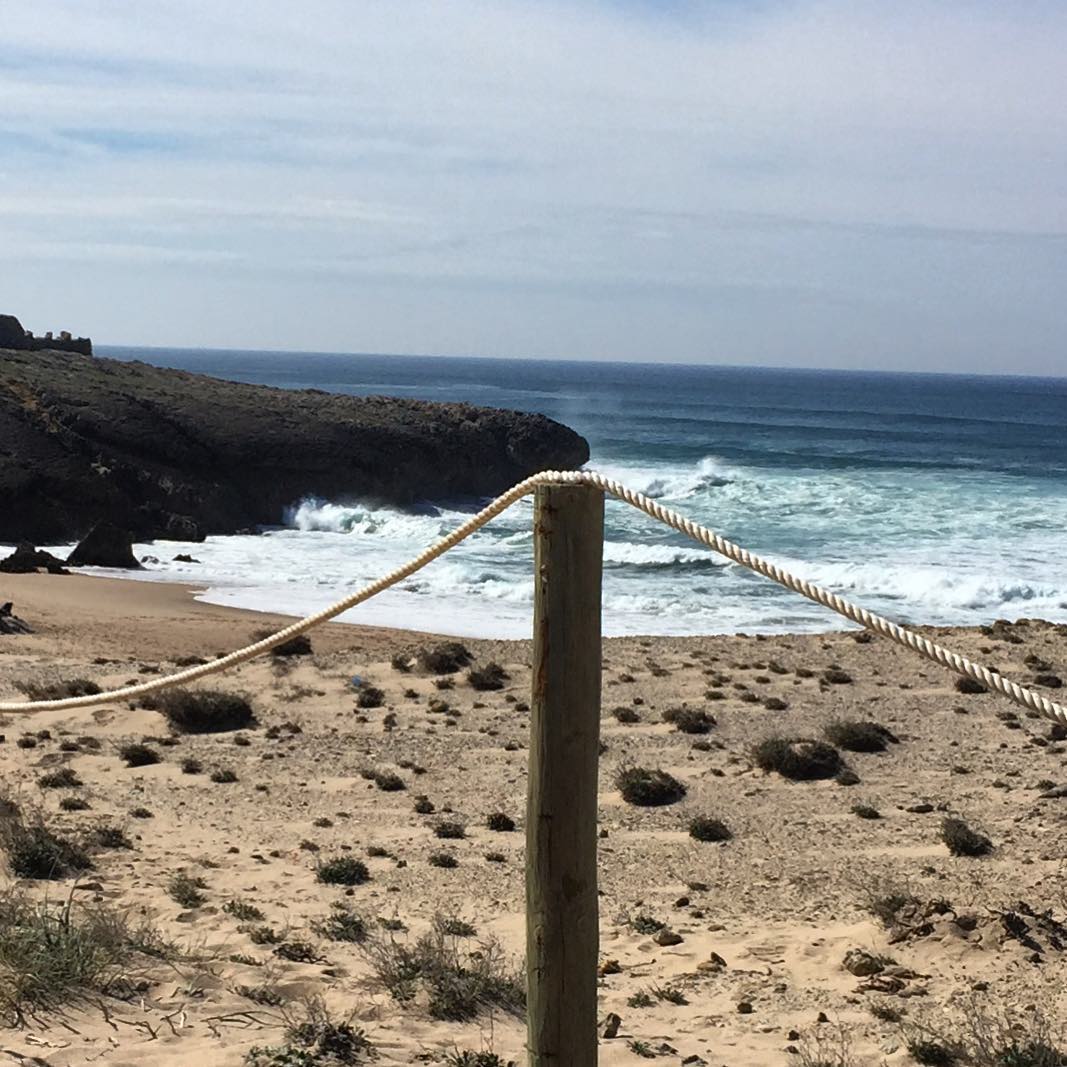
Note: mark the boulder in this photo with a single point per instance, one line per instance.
(28, 560)
(12, 335)
(105, 546)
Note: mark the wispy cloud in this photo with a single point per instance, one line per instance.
(838, 181)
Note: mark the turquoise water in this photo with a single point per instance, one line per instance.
(932, 498)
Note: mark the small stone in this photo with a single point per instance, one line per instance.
(861, 963)
(920, 809)
(611, 1025)
(745, 1008)
(667, 937)
(609, 967)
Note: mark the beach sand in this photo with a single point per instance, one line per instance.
(764, 920)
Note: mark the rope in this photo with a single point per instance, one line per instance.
(877, 623)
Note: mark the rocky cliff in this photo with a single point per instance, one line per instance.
(171, 454)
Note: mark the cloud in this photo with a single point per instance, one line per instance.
(806, 180)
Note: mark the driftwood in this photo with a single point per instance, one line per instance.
(11, 623)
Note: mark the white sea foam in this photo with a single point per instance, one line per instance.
(914, 545)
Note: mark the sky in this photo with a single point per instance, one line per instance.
(833, 183)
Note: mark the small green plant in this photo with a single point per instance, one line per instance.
(342, 870)
(640, 999)
(444, 860)
(467, 1058)
(108, 836)
(185, 890)
(314, 1039)
(242, 911)
(341, 923)
(191, 765)
(460, 979)
(33, 850)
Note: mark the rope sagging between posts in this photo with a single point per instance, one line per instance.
(1028, 698)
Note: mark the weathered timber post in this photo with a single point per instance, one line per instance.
(562, 936)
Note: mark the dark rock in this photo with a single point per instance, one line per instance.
(165, 453)
(184, 557)
(12, 335)
(10, 623)
(28, 560)
(105, 546)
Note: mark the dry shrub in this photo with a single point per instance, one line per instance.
(205, 711)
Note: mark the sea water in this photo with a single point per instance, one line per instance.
(930, 498)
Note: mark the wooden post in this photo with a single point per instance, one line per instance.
(562, 936)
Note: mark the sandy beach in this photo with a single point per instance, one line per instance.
(727, 953)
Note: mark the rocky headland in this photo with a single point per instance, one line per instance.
(166, 453)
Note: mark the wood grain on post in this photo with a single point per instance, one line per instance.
(562, 936)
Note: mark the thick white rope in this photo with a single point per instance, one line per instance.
(908, 638)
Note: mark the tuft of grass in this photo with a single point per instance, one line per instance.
(961, 840)
(797, 758)
(970, 686)
(424, 805)
(33, 850)
(243, 911)
(647, 787)
(342, 870)
(74, 804)
(625, 715)
(856, 736)
(341, 923)
(191, 765)
(704, 828)
(135, 754)
(388, 782)
(500, 822)
(460, 980)
(689, 720)
(185, 890)
(444, 860)
(223, 776)
(52, 955)
(468, 1058)
(205, 711)
(106, 836)
(72, 687)
(314, 1039)
(300, 645)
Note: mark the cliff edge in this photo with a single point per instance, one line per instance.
(166, 453)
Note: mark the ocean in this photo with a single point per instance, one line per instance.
(930, 498)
